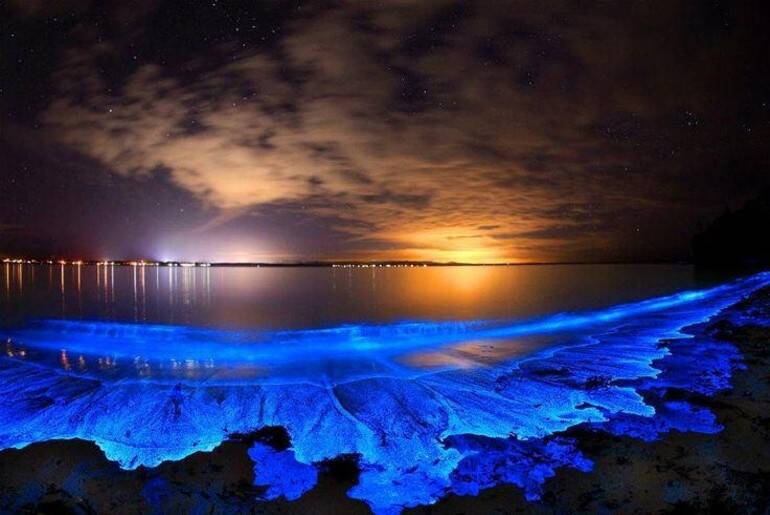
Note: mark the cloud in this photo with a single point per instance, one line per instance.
(422, 130)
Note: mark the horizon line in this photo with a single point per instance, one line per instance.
(325, 263)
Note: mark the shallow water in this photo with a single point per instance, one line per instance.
(318, 325)
(281, 298)
(462, 388)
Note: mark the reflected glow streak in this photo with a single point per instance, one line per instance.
(419, 435)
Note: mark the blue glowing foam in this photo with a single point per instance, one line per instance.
(280, 473)
(149, 393)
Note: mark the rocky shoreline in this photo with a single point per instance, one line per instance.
(728, 472)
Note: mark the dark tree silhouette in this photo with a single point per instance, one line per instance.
(740, 237)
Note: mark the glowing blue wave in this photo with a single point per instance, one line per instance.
(156, 348)
(419, 434)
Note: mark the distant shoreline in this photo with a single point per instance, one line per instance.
(314, 264)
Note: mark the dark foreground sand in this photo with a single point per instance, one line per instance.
(682, 473)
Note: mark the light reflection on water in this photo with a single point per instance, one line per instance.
(476, 353)
(270, 299)
(95, 365)
(326, 355)
(276, 298)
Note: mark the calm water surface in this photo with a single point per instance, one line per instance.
(284, 298)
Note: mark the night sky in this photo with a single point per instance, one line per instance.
(449, 131)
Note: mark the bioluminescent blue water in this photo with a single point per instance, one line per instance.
(430, 408)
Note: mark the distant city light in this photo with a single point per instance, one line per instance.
(103, 262)
(197, 264)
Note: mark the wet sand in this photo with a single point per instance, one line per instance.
(681, 473)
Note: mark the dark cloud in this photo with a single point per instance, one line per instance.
(401, 199)
(85, 209)
(556, 232)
